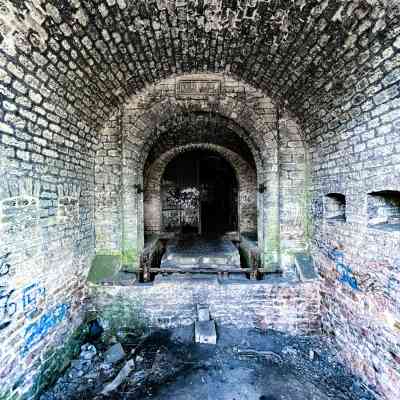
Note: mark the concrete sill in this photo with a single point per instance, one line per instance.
(336, 220)
(390, 228)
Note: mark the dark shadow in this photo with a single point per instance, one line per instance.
(199, 194)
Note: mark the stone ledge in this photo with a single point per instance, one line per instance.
(305, 267)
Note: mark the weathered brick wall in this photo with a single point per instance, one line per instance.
(170, 302)
(356, 152)
(294, 189)
(159, 120)
(108, 183)
(65, 66)
(46, 222)
(47, 148)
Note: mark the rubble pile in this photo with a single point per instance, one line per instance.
(167, 365)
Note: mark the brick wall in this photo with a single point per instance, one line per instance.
(46, 218)
(66, 67)
(171, 302)
(355, 153)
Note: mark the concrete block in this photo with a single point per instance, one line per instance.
(203, 313)
(205, 332)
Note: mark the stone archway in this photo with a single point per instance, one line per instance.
(246, 177)
(149, 115)
(245, 110)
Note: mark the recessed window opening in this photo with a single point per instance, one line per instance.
(384, 209)
(335, 207)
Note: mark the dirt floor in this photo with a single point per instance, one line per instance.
(244, 365)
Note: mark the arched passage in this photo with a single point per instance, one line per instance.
(65, 66)
(247, 187)
(199, 194)
(238, 110)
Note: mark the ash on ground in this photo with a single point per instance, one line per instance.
(244, 365)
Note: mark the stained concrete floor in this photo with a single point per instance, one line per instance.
(240, 380)
(251, 365)
(244, 365)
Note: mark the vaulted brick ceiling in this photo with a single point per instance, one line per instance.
(305, 54)
(200, 128)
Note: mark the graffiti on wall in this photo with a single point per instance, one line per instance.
(346, 274)
(7, 307)
(68, 204)
(14, 209)
(4, 265)
(33, 296)
(39, 329)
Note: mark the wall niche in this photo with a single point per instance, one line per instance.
(384, 210)
(335, 207)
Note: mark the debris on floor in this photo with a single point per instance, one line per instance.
(243, 365)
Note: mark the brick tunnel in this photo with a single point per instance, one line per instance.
(227, 169)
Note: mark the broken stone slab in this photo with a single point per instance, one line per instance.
(203, 313)
(205, 332)
(114, 354)
(119, 379)
(88, 352)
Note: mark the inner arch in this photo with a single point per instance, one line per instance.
(199, 192)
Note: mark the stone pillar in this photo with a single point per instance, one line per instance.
(270, 246)
(132, 198)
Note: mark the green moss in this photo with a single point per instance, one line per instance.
(130, 256)
(104, 266)
(8, 395)
(121, 316)
(130, 259)
(56, 361)
(272, 242)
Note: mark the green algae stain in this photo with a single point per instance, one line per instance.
(130, 260)
(104, 266)
(121, 316)
(55, 362)
(8, 395)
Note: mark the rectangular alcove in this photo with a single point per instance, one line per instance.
(384, 210)
(335, 207)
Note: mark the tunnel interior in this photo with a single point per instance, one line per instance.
(289, 110)
(199, 194)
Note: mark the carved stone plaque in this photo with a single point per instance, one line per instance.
(196, 88)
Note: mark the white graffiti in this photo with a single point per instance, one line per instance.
(68, 204)
(20, 203)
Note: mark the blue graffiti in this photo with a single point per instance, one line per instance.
(346, 275)
(4, 265)
(32, 295)
(38, 330)
(393, 285)
(7, 307)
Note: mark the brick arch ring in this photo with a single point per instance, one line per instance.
(245, 175)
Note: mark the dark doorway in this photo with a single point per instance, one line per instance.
(199, 194)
